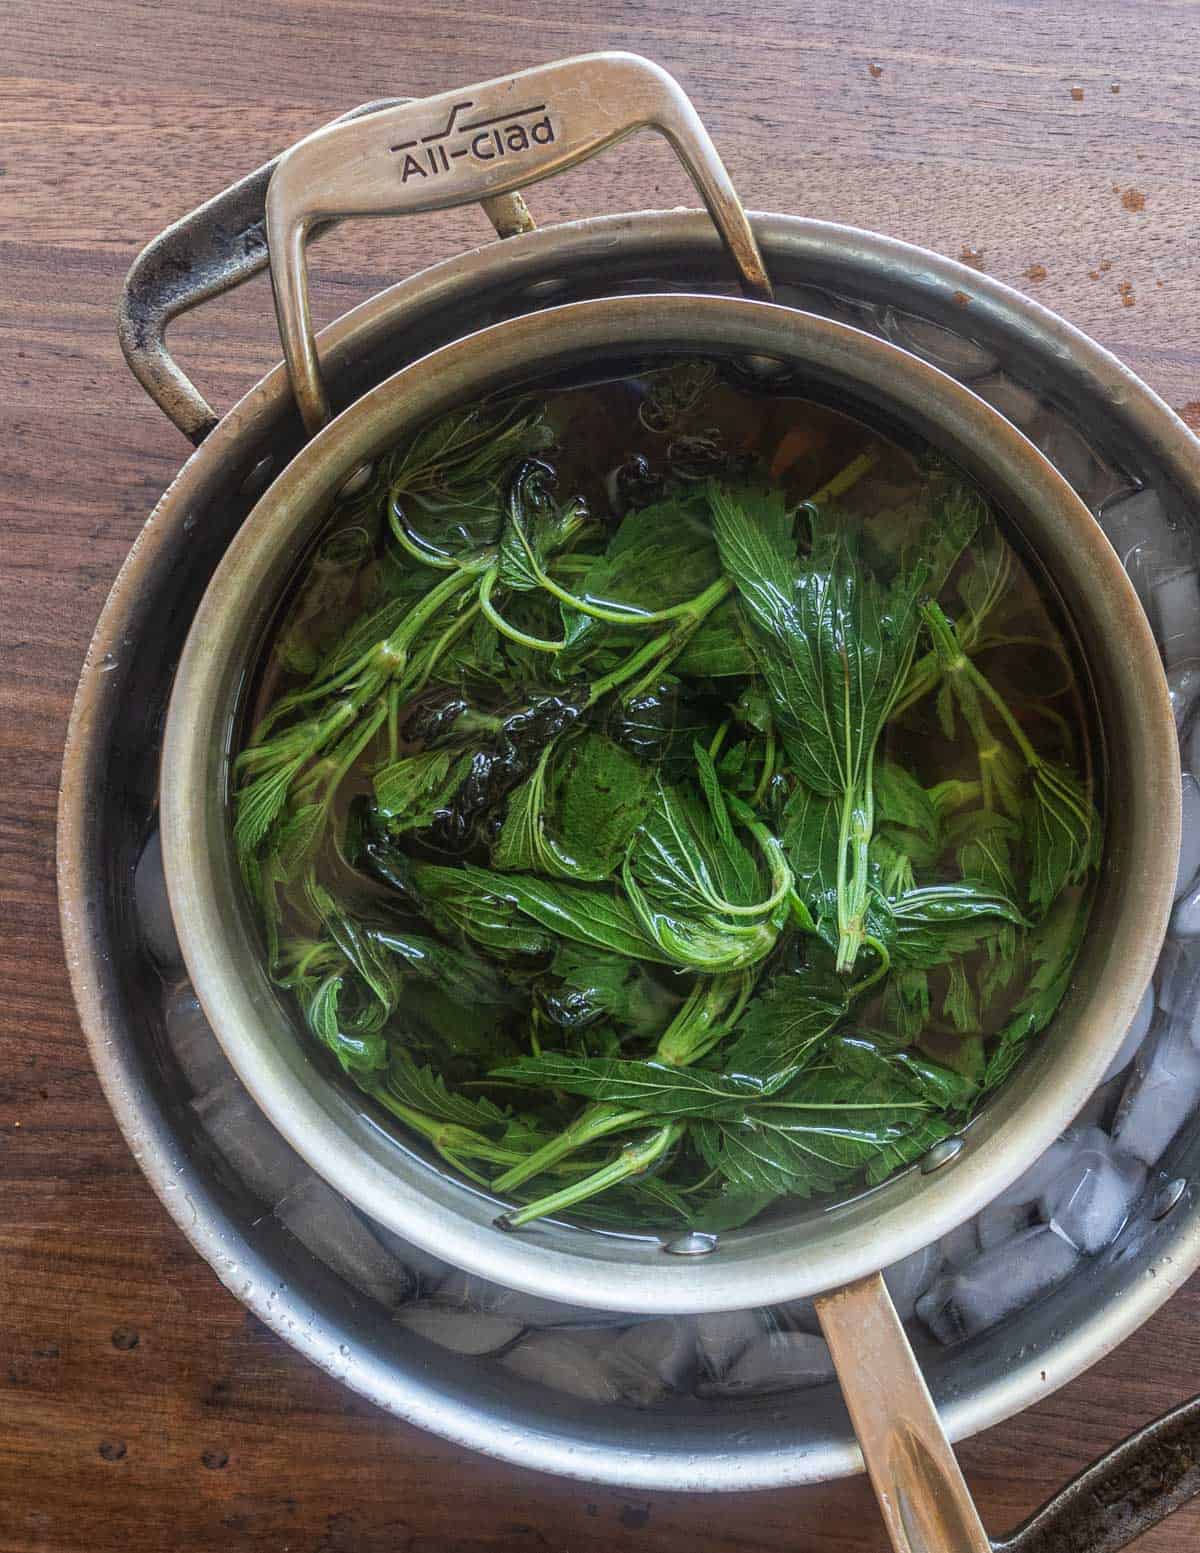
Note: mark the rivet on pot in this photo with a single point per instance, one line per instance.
(941, 1154)
(1167, 1197)
(694, 1243)
(541, 289)
(356, 480)
(765, 369)
(259, 477)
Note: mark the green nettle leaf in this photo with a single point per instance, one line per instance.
(1066, 833)
(819, 1133)
(694, 887)
(650, 1088)
(536, 526)
(719, 648)
(574, 816)
(1053, 946)
(410, 792)
(596, 984)
(425, 1091)
(583, 914)
(881, 1059)
(660, 557)
(784, 1027)
(834, 647)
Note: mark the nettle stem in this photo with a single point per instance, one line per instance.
(633, 1160)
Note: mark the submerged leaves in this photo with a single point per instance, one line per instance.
(603, 851)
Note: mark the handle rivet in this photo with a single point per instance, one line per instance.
(259, 477)
(694, 1243)
(357, 480)
(765, 369)
(1167, 1197)
(941, 1154)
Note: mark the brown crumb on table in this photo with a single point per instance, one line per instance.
(874, 70)
(1190, 414)
(1105, 265)
(1036, 272)
(1125, 292)
(962, 299)
(1133, 199)
(1093, 274)
(1077, 93)
(971, 256)
(1115, 88)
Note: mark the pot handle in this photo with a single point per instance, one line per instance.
(925, 1503)
(1135, 1485)
(475, 143)
(924, 1500)
(218, 246)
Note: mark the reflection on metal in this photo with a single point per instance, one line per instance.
(1167, 1197)
(695, 1243)
(941, 1154)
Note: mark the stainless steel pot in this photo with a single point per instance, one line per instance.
(241, 436)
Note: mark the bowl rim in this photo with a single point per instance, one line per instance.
(419, 1205)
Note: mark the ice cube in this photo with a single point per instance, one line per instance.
(954, 353)
(1189, 840)
(324, 1222)
(1134, 1036)
(1026, 1189)
(1175, 602)
(997, 1283)
(1192, 759)
(722, 1338)
(779, 1361)
(961, 1245)
(239, 1131)
(462, 1331)
(429, 1271)
(1149, 544)
(653, 1358)
(1178, 973)
(1162, 1092)
(531, 1309)
(1183, 688)
(1091, 1200)
(1076, 460)
(1185, 916)
(908, 1280)
(797, 1316)
(998, 1223)
(152, 907)
(190, 1037)
(1015, 403)
(563, 1364)
(1101, 1107)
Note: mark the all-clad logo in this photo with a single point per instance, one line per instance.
(484, 140)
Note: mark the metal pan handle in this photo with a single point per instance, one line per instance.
(925, 1504)
(220, 245)
(924, 1500)
(478, 143)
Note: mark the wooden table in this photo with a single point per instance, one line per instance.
(1058, 147)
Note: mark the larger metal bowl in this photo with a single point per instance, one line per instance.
(1019, 355)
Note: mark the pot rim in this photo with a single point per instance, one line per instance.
(203, 1214)
(456, 1222)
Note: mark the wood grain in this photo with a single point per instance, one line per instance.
(207, 1432)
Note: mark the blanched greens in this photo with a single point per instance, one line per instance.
(659, 845)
